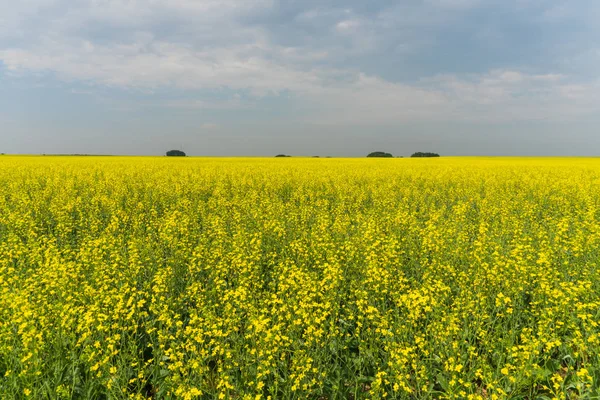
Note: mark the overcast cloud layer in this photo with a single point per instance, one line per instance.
(258, 77)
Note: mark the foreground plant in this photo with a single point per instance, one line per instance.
(136, 278)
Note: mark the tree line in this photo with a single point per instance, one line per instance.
(382, 154)
(389, 155)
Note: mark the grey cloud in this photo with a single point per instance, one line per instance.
(341, 63)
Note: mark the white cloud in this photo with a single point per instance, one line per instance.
(158, 64)
(347, 25)
(339, 96)
(198, 104)
(498, 96)
(457, 4)
(212, 49)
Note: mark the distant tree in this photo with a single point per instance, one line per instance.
(175, 153)
(421, 154)
(282, 155)
(380, 154)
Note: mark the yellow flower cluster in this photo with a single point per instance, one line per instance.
(159, 278)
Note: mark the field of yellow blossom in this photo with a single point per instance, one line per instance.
(242, 278)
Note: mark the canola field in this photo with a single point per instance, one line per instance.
(199, 278)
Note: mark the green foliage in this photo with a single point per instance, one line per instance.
(175, 153)
(380, 154)
(426, 154)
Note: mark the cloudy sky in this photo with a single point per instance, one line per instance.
(304, 77)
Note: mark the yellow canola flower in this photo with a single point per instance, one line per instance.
(300, 277)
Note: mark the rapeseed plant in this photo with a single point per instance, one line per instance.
(155, 278)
